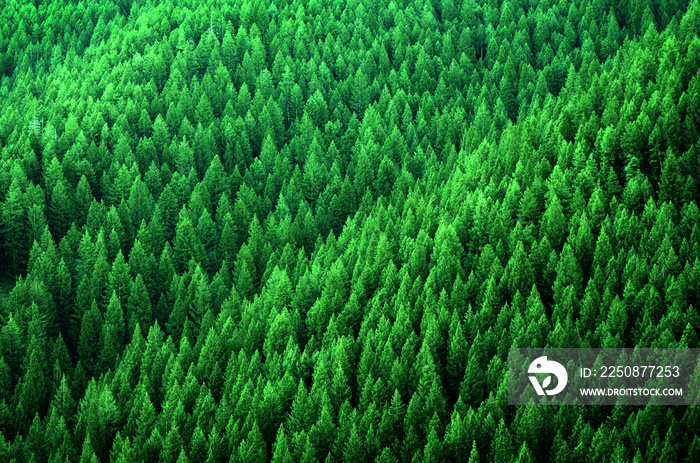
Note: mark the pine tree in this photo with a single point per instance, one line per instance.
(16, 227)
(187, 246)
(60, 208)
(208, 237)
(88, 343)
(172, 446)
(119, 279)
(113, 331)
(281, 452)
(138, 306)
(63, 296)
(253, 447)
(33, 390)
(671, 185)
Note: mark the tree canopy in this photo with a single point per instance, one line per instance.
(310, 231)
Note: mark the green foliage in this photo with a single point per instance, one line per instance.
(332, 220)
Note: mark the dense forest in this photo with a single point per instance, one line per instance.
(299, 231)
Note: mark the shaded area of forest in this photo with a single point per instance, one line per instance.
(298, 231)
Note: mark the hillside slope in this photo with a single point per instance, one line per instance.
(299, 231)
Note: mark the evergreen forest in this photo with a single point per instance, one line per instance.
(308, 231)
